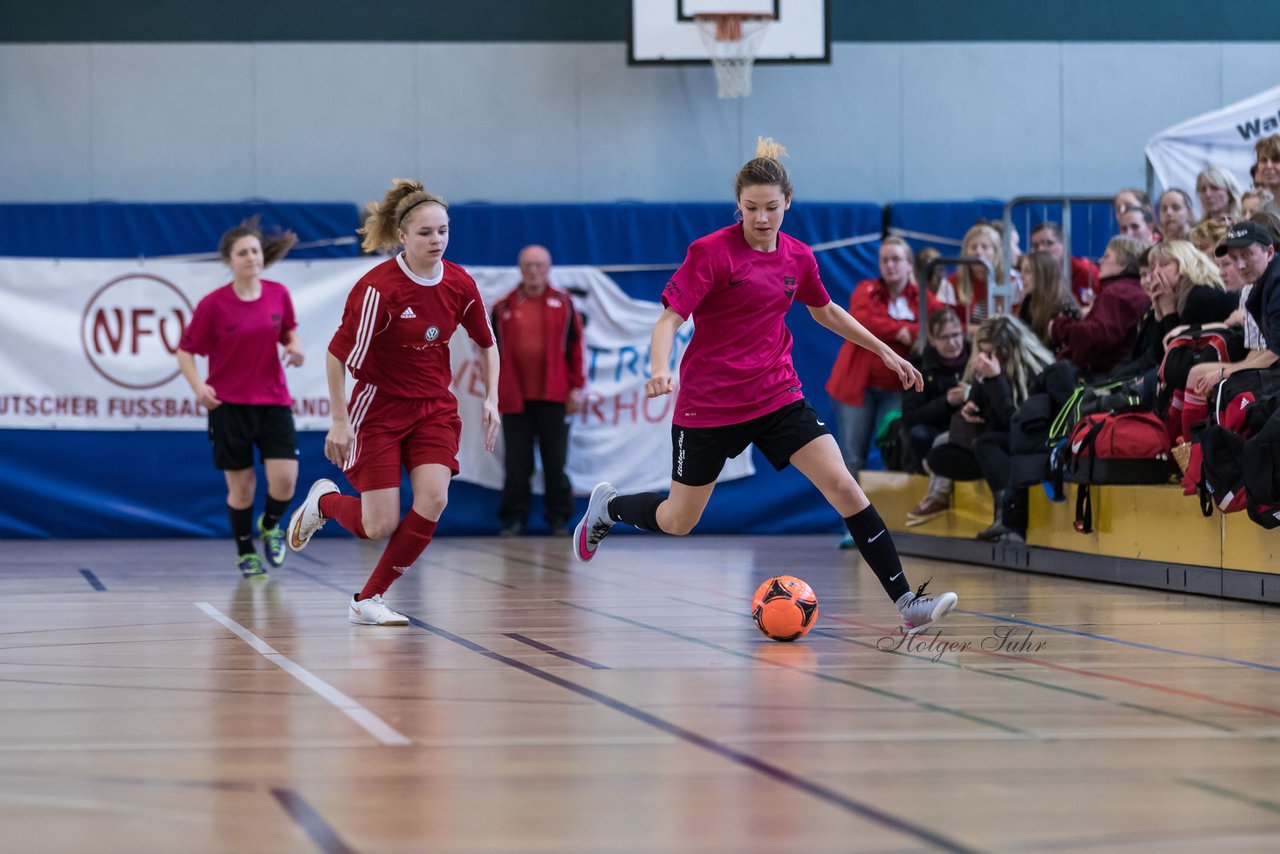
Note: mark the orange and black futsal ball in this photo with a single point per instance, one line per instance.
(784, 608)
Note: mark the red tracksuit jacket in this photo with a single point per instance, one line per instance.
(562, 334)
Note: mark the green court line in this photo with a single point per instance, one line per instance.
(1222, 791)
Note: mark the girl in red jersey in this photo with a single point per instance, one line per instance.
(738, 386)
(394, 339)
(240, 327)
(863, 389)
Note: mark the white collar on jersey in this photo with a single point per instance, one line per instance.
(414, 277)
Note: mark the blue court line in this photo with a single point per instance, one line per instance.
(320, 831)
(93, 580)
(780, 775)
(1254, 664)
(816, 674)
(746, 760)
(551, 650)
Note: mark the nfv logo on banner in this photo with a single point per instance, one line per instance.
(131, 329)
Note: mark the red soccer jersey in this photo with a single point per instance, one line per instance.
(396, 328)
(240, 337)
(738, 365)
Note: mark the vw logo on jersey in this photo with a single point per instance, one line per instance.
(432, 333)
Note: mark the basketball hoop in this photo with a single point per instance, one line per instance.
(732, 40)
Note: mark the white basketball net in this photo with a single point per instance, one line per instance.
(732, 42)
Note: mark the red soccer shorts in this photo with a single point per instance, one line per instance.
(395, 432)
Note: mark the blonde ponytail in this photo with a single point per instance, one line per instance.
(765, 170)
(382, 226)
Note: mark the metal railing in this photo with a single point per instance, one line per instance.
(1066, 202)
(994, 290)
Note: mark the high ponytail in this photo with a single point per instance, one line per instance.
(766, 169)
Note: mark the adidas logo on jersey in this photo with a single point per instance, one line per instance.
(407, 314)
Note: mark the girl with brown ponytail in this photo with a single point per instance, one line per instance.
(738, 386)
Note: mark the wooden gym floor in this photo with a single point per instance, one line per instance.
(151, 701)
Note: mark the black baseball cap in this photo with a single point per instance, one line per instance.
(1243, 233)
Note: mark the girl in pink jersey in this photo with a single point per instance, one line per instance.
(240, 327)
(738, 386)
(394, 339)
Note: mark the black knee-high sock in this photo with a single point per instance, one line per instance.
(640, 510)
(275, 511)
(876, 545)
(242, 528)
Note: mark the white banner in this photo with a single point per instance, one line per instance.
(89, 345)
(1222, 138)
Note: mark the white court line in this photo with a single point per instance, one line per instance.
(370, 722)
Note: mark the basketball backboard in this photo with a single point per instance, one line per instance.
(664, 32)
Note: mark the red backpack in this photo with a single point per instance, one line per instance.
(1191, 348)
(1127, 446)
(1234, 461)
(1214, 491)
(1225, 459)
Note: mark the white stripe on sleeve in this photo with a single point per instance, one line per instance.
(364, 334)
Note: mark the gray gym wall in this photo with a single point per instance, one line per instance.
(207, 111)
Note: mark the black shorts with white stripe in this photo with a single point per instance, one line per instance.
(699, 453)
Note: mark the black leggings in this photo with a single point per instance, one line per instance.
(992, 451)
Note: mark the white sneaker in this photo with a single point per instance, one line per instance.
(919, 612)
(374, 612)
(595, 523)
(306, 520)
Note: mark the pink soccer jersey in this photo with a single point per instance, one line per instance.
(738, 364)
(240, 338)
(396, 327)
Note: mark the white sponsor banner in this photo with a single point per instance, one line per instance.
(89, 345)
(1222, 138)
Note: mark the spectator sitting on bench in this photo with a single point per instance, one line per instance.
(1007, 358)
(1240, 318)
(1148, 344)
(927, 413)
(1129, 197)
(1251, 245)
(1098, 341)
(1252, 201)
(1046, 295)
(1187, 287)
(967, 287)
(1267, 164)
(1047, 237)
(1176, 214)
(1138, 222)
(1219, 195)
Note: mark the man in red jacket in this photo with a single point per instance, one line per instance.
(540, 383)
